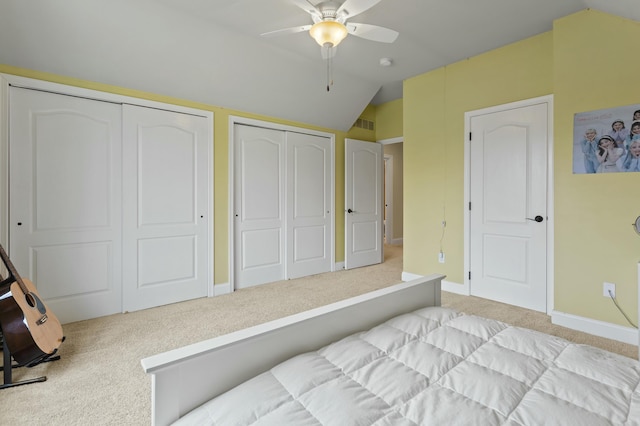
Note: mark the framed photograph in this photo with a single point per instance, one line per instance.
(607, 140)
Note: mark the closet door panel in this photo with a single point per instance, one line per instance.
(259, 205)
(309, 201)
(65, 200)
(165, 201)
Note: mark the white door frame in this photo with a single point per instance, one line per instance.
(7, 80)
(388, 230)
(548, 99)
(388, 198)
(233, 120)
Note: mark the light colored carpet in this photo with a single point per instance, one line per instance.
(99, 380)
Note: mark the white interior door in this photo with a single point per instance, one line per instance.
(364, 174)
(65, 200)
(508, 216)
(166, 207)
(308, 205)
(259, 205)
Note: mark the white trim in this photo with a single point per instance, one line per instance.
(7, 80)
(390, 141)
(390, 239)
(211, 289)
(597, 328)
(338, 266)
(233, 120)
(388, 197)
(63, 89)
(548, 100)
(4, 161)
(452, 287)
(448, 286)
(408, 276)
(222, 288)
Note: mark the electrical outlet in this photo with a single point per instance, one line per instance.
(441, 257)
(608, 287)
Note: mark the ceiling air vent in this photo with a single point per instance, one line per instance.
(364, 124)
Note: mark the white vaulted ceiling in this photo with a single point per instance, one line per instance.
(211, 51)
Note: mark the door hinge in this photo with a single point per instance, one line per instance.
(469, 274)
(469, 205)
(469, 136)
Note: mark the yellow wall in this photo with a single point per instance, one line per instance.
(594, 239)
(221, 157)
(388, 117)
(389, 124)
(584, 70)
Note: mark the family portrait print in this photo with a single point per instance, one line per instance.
(607, 140)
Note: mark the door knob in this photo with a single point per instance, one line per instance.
(349, 211)
(537, 218)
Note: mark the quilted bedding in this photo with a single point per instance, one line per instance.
(436, 366)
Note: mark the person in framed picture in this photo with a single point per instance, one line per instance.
(631, 161)
(589, 147)
(634, 133)
(608, 154)
(619, 133)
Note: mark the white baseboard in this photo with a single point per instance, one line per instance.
(597, 328)
(338, 266)
(586, 325)
(397, 241)
(408, 276)
(456, 288)
(449, 286)
(220, 289)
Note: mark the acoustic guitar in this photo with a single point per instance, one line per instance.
(31, 332)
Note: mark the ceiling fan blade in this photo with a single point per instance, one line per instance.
(328, 52)
(308, 7)
(286, 31)
(372, 32)
(352, 8)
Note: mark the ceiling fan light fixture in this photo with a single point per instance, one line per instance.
(328, 33)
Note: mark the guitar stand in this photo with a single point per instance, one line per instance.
(8, 366)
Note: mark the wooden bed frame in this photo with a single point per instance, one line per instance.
(184, 378)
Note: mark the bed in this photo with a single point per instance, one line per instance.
(392, 357)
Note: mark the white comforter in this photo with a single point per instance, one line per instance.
(438, 367)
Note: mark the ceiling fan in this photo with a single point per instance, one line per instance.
(330, 26)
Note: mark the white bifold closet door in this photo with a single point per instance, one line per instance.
(165, 207)
(65, 183)
(308, 205)
(282, 205)
(108, 203)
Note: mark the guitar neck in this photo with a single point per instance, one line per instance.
(13, 273)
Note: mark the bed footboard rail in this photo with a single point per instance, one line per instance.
(184, 378)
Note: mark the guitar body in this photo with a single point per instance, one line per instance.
(31, 332)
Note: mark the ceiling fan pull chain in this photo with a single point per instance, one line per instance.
(329, 68)
(328, 72)
(331, 73)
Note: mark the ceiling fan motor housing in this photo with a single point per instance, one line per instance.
(329, 10)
